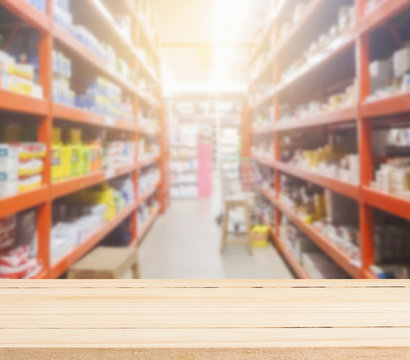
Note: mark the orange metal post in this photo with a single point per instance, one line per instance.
(246, 129)
(365, 153)
(44, 213)
(276, 139)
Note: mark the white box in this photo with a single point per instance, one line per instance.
(401, 60)
(381, 74)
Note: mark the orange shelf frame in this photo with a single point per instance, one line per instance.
(362, 114)
(45, 111)
(294, 264)
(23, 201)
(341, 187)
(23, 104)
(379, 16)
(321, 241)
(387, 202)
(76, 47)
(318, 238)
(63, 264)
(28, 13)
(63, 188)
(393, 105)
(68, 113)
(144, 197)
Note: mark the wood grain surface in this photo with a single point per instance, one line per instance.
(198, 320)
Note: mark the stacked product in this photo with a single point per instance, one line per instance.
(62, 72)
(345, 98)
(315, 262)
(64, 18)
(390, 76)
(80, 215)
(264, 148)
(330, 161)
(392, 247)
(21, 167)
(331, 214)
(18, 76)
(72, 157)
(264, 119)
(333, 39)
(267, 212)
(105, 98)
(148, 179)
(393, 176)
(118, 153)
(18, 246)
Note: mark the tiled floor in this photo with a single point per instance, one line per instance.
(184, 244)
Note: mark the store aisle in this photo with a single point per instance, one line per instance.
(184, 243)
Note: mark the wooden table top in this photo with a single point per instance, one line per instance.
(203, 320)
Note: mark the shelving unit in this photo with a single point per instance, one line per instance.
(44, 112)
(361, 115)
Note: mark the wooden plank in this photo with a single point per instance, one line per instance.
(166, 319)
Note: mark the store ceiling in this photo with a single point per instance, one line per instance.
(190, 30)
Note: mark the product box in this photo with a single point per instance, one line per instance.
(381, 74)
(8, 185)
(260, 236)
(27, 231)
(401, 60)
(9, 159)
(56, 163)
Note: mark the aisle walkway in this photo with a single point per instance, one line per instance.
(184, 244)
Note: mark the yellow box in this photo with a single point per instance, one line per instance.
(260, 236)
(57, 172)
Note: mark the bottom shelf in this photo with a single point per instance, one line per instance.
(62, 265)
(145, 227)
(292, 261)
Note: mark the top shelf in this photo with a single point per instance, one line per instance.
(367, 23)
(381, 14)
(45, 24)
(24, 10)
